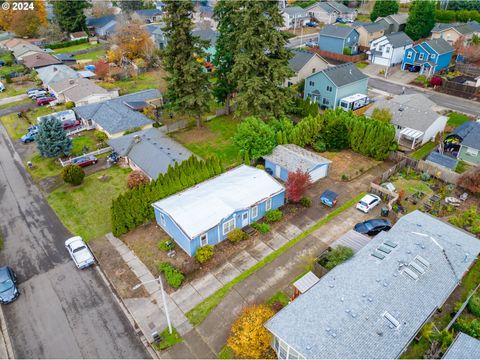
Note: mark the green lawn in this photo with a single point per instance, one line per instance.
(15, 103)
(85, 209)
(77, 47)
(148, 80)
(214, 138)
(423, 151)
(456, 119)
(4, 70)
(168, 339)
(94, 55)
(280, 297)
(462, 167)
(361, 65)
(11, 90)
(16, 127)
(226, 353)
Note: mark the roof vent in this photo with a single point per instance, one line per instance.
(137, 139)
(401, 108)
(422, 261)
(391, 318)
(71, 81)
(410, 274)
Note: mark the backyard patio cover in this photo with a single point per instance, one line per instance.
(412, 134)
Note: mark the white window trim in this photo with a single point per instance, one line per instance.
(206, 237)
(162, 220)
(232, 220)
(254, 212)
(421, 56)
(433, 56)
(268, 204)
(409, 55)
(472, 152)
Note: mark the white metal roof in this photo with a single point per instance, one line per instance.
(354, 97)
(414, 134)
(200, 208)
(306, 282)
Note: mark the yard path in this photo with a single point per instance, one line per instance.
(277, 275)
(13, 99)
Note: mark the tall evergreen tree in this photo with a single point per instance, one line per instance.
(223, 59)
(188, 88)
(52, 140)
(70, 14)
(421, 19)
(384, 8)
(261, 60)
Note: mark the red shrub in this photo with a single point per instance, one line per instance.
(471, 180)
(101, 69)
(297, 183)
(137, 178)
(436, 81)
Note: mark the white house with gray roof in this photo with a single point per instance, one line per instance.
(80, 91)
(389, 49)
(415, 120)
(54, 73)
(150, 151)
(119, 115)
(373, 305)
(303, 64)
(294, 17)
(463, 347)
(327, 12)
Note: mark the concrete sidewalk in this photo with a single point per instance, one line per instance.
(12, 99)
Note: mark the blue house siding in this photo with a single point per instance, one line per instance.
(336, 44)
(358, 87)
(215, 234)
(425, 57)
(316, 89)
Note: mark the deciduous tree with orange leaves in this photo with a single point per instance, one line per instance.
(25, 21)
(132, 40)
(249, 338)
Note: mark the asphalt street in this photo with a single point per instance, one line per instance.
(301, 40)
(447, 101)
(62, 312)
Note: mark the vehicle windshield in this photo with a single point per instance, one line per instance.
(6, 285)
(363, 203)
(368, 225)
(79, 249)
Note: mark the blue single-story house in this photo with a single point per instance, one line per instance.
(329, 86)
(336, 39)
(204, 214)
(290, 158)
(431, 56)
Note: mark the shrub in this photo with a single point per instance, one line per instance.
(73, 174)
(297, 183)
(260, 166)
(436, 81)
(336, 256)
(173, 276)
(100, 136)
(66, 44)
(69, 104)
(320, 146)
(204, 253)
(347, 51)
(8, 79)
(249, 338)
(237, 235)
(137, 178)
(474, 305)
(273, 215)
(470, 180)
(131, 131)
(345, 177)
(166, 245)
(306, 201)
(263, 228)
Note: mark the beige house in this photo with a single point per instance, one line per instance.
(303, 64)
(369, 32)
(80, 91)
(452, 32)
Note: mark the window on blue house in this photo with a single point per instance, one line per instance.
(254, 212)
(432, 56)
(329, 88)
(162, 219)
(325, 101)
(204, 239)
(268, 204)
(228, 226)
(421, 56)
(311, 83)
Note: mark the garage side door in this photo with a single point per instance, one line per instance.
(319, 173)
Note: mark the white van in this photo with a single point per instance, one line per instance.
(2, 87)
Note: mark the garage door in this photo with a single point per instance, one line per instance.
(380, 61)
(318, 173)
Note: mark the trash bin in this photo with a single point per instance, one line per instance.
(384, 212)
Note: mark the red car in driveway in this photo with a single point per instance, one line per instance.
(45, 100)
(85, 160)
(68, 124)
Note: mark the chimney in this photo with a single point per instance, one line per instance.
(71, 81)
(137, 139)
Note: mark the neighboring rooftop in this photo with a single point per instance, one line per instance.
(442, 160)
(470, 134)
(100, 22)
(78, 35)
(408, 111)
(293, 157)
(300, 59)
(399, 39)
(54, 73)
(374, 27)
(114, 115)
(462, 28)
(236, 189)
(463, 347)
(147, 13)
(295, 11)
(400, 19)
(39, 60)
(440, 46)
(151, 150)
(337, 31)
(207, 35)
(344, 74)
(77, 89)
(22, 48)
(373, 305)
(333, 6)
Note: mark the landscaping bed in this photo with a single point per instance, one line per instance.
(347, 165)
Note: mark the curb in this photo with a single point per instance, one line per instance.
(5, 337)
(127, 313)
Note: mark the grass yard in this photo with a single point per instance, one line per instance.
(148, 80)
(4, 70)
(168, 339)
(85, 209)
(16, 127)
(423, 151)
(43, 167)
(77, 47)
(13, 90)
(456, 119)
(15, 103)
(462, 167)
(94, 55)
(280, 297)
(215, 137)
(361, 65)
(226, 353)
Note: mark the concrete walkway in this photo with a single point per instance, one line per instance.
(12, 99)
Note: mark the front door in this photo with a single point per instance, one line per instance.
(245, 219)
(278, 170)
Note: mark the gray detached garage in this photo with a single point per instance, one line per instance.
(290, 158)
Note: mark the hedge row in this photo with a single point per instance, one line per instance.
(66, 44)
(134, 207)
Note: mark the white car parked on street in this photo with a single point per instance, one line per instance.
(368, 202)
(80, 253)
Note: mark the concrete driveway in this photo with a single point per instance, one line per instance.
(62, 312)
(394, 74)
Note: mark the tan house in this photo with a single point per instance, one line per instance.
(303, 64)
(369, 32)
(80, 91)
(452, 32)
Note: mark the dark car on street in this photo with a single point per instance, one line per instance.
(373, 226)
(8, 285)
(85, 160)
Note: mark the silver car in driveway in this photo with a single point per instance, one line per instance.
(80, 253)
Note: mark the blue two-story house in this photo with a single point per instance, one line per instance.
(338, 39)
(329, 86)
(431, 56)
(204, 214)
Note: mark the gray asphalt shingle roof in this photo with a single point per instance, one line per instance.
(100, 21)
(475, 25)
(344, 74)
(369, 307)
(54, 73)
(299, 59)
(462, 28)
(399, 39)
(293, 157)
(441, 46)
(207, 35)
(295, 11)
(442, 160)
(151, 150)
(114, 116)
(337, 31)
(374, 27)
(470, 134)
(463, 347)
(77, 89)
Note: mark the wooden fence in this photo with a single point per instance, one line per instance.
(339, 57)
(457, 89)
(468, 69)
(96, 152)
